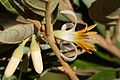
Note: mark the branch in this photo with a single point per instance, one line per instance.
(116, 30)
(51, 42)
(107, 45)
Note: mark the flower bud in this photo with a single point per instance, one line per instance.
(15, 59)
(36, 55)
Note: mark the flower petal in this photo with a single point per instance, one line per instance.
(85, 45)
(67, 58)
(90, 33)
(91, 27)
(70, 12)
(64, 35)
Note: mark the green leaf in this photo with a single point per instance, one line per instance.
(16, 33)
(104, 75)
(84, 65)
(32, 7)
(54, 76)
(8, 6)
(117, 43)
(106, 56)
(88, 2)
(39, 6)
(76, 2)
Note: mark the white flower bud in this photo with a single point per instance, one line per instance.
(36, 55)
(15, 59)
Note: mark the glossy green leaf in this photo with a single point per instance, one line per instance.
(8, 6)
(16, 33)
(54, 76)
(104, 75)
(106, 56)
(84, 65)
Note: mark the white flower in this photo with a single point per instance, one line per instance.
(80, 37)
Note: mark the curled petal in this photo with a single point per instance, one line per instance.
(67, 25)
(72, 14)
(67, 58)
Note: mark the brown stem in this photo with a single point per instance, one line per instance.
(116, 30)
(48, 18)
(107, 34)
(68, 70)
(51, 42)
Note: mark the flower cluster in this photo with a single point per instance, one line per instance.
(81, 38)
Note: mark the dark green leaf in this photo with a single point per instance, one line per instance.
(54, 76)
(107, 56)
(84, 65)
(104, 75)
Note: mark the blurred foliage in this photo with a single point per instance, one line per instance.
(101, 65)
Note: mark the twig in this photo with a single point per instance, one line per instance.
(116, 30)
(107, 45)
(48, 18)
(53, 45)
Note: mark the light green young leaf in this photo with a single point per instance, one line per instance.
(16, 33)
(103, 75)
